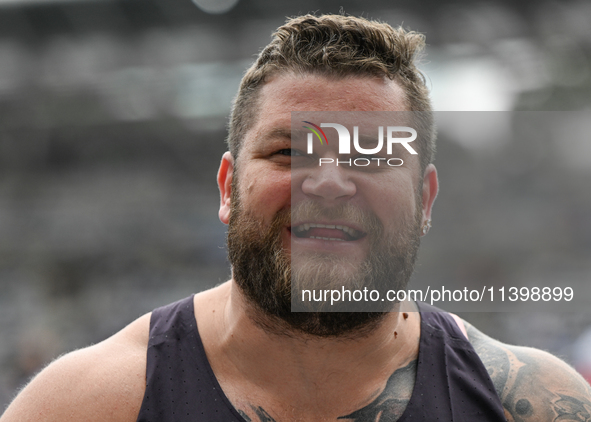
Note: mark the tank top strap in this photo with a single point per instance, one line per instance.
(451, 383)
(180, 384)
(438, 318)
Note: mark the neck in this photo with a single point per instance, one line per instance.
(307, 327)
(295, 364)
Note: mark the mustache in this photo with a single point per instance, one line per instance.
(367, 221)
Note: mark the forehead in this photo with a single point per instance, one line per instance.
(285, 93)
(290, 92)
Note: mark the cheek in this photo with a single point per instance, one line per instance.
(392, 198)
(265, 191)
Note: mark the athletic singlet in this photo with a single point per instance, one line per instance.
(451, 384)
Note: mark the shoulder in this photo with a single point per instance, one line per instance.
(533, 385)
(103, 382)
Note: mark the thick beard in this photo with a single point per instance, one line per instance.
(262, 270)
(388, 266)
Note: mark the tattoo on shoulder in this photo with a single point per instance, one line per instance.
(568, 408)
(533, 386)
(244, 415)
(392, 402)
(261, 414)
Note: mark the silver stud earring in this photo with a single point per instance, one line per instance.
(426, 227)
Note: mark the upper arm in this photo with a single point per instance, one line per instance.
(533, 385)
(104, 382)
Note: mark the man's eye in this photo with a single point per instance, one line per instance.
(289, 151)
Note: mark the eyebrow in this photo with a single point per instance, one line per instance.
(291, 135)
(278, 132)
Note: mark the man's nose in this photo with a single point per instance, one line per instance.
(329, 182)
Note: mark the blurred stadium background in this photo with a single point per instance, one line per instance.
(112, 123)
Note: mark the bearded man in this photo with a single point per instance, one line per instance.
(237, 352)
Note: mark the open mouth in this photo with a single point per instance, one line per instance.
(334, 232)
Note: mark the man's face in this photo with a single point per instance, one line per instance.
(276, 201)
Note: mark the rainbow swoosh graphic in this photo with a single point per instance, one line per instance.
(316, 132)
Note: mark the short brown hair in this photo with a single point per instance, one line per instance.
(338, 46)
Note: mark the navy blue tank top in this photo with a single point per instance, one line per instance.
(451, 384)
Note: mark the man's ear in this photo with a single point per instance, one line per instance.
(430, 189)
(225, 174)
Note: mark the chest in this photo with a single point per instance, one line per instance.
(353, 403)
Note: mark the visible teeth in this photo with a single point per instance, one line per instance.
(326, 238)
(307, 226)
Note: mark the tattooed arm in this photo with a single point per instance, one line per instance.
(533, 385)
